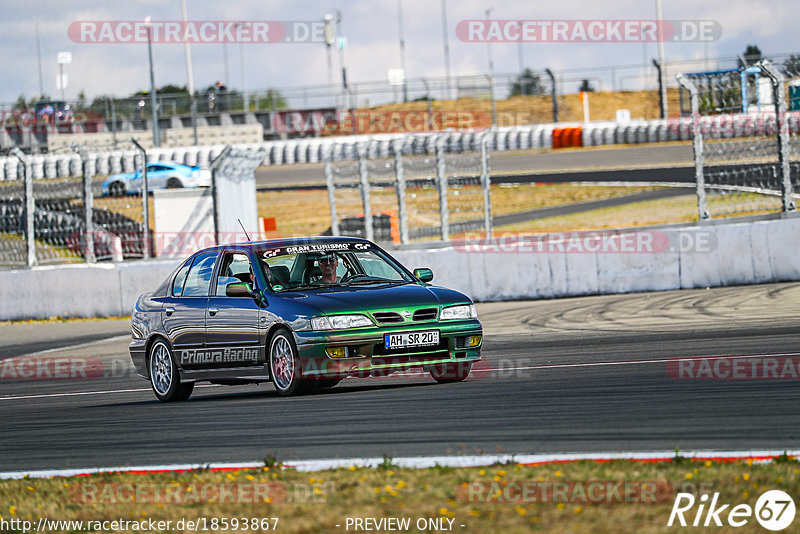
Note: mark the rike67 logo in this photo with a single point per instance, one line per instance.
(774, 510)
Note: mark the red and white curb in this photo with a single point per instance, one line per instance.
(422, 462)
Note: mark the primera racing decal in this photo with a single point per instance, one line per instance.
(234, 355)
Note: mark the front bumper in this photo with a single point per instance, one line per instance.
(366, 355)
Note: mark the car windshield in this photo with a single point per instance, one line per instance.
(317, 265)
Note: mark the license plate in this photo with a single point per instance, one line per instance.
(411, 339)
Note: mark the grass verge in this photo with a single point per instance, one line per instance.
(630, 497)
(307, 212)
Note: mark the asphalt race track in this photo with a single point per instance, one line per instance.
(648, 163)
(568, 375)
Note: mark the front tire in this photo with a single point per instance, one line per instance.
(174, 183)
(116, 189)
(164, 376)
(445, 373)
(284, 366)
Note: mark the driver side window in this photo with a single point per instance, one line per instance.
(235, 269)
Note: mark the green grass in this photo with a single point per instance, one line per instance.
(317, 502)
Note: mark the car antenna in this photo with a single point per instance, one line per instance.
(245, 231)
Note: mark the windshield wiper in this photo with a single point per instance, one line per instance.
(365, 281)
(304, 287)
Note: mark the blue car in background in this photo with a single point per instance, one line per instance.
(160, 175)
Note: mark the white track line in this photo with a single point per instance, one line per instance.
(479, 371)
(78, 346)
(79, 393)
(638, 362)
(75, 394)
(417, 462)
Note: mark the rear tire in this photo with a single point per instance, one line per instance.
(174, 183)
(284, 366)
(164, 376)
(445, 373)
(116, 189)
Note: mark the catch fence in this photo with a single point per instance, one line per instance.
(745, 139)
(85, 216)
(425, 190)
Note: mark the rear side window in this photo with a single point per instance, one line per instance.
(198, 280)
(177, 284)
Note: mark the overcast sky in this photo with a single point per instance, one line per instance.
(371, 28)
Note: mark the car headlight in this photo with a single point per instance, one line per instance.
(340, 322)
(466, 311)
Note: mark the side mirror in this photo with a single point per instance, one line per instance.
(424, 274)
(238, 289)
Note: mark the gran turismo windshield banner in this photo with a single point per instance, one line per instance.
(316, 247)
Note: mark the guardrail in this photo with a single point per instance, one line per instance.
(505, 267)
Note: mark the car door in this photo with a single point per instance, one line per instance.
(183, 313)
(235, 326)
(157, 176)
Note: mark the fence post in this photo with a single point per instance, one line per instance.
(441, 185)
(553, 94)
(145, 204)
(331, 192)
(363, 173)
(697, 147)
(400, 189)
(88, 205)
(213, 167)
(662, 99)
(779, 95)
(486, 184)
(30, 206)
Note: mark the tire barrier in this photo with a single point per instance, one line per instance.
(567, 137)
(312, 150)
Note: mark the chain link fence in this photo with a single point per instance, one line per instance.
(85, 217)
(757, 171)
(426, 190)
(791, 70)
(13, 248)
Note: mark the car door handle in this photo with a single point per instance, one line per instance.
(213, 311)
(169, 310)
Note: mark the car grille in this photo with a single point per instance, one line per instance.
(426, 314)
(412, 359)
(388, 317)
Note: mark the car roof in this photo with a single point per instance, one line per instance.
(169, 163)
(285, 242)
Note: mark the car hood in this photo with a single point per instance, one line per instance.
(358, 299)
